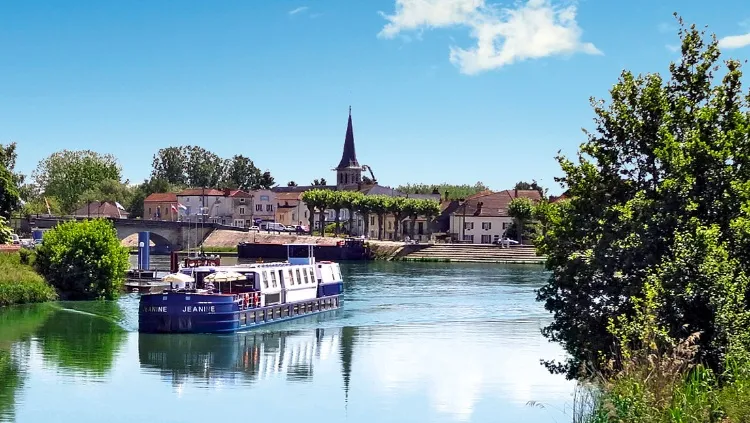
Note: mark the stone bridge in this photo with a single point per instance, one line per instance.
(173, 235)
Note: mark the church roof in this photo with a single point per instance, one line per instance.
(349, 157)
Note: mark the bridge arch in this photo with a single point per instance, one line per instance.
(158, 242)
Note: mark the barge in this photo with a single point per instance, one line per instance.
(225, 299)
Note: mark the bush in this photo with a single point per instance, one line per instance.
(27, 257)
(19, 284)
(83, 260)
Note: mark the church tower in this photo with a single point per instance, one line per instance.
(348, 172)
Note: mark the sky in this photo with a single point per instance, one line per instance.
(454, 91)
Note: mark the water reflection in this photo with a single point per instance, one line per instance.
(243, 358)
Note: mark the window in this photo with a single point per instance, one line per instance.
(312, 274)
(305, 214)
(486, 226)
(372, 220)
(486, 239)
(505, 225)
(299, 277)
(420, 228)
(187, 200)
(306, 279)
(269, 207)
(149, 211)
(259, 207)
(291, 277)
(264, 198)
(242, 210)
(274, 282)
(469, 238)
(389, 225)
(265, 279)
(242, 200)
(469, 225)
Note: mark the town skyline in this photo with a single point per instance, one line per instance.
(265, 81)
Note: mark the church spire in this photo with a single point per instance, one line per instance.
(349, 157)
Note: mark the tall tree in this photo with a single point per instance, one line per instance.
(291, 184)
(319, 182)
(169, 165)
(203, 168)
(533, 185)
(8, 193)
(521, 209)
(453, 192)
(242, 174)
(68, 174)
(658, 211)
(8, 156)
(266, 180)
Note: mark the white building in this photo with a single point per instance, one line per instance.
(264, 205)
(226, 207)
(483, 218)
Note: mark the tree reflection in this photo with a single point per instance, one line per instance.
(17, 324)
(346, 350)
(82, 342)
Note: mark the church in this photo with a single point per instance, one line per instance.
(349, 177)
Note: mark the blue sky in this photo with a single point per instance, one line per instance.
(454, 91)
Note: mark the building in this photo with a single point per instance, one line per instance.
(161, 206)
(348, 172)
(200, 202)
(226, 207)
(291, 210)
(264, 205)
(483, 218)
(111, 209)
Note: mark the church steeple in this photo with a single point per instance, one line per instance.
(348, 172)
(349, 157)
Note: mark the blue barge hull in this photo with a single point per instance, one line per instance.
(183, 312)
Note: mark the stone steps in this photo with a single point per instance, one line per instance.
(475, 254)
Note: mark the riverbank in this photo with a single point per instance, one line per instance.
(20, 284)
(225, 243)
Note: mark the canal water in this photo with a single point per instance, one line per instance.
(420, 342)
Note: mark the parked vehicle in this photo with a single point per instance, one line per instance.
(272, 227)
(254, 228)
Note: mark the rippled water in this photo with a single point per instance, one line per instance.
(414, 343)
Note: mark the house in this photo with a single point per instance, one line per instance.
(161, 206)
(110, 209)
(483, 218)
(200, 203)
(291, 210)
(263, 205)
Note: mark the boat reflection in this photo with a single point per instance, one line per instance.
(239, 358)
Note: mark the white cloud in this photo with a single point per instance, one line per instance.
(503, 36)
(298, 10)
(674, 48)
(735, 41)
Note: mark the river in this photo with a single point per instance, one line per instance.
(415, 342)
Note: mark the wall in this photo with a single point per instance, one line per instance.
(498, 225)
(264, 204)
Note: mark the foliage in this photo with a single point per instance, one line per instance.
(67, 174)
(110, 190)
(83, 260)
(8, 156)
(19, 284)
(38, 205)
(521, 209)
(659, 194)
(5, 231)
(195, 166)
(26, 256)
(319, 182)
(8, 193)
(452, 192)
(291, 184)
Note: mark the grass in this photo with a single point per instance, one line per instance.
(20, 284)
(669, 387)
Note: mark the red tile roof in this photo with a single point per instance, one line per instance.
(281, 197)
(162, 197)
(201, 191)
(494, 204)
(238, 193)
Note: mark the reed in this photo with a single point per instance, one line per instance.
(20, 284)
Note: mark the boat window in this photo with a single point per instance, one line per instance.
(298, 251)
(312, 274)
(306, 280)
(273, 279)
(299, 277)
(265, 279)
(291, 277)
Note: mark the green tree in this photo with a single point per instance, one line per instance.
(148, 187)
(363, 204)
(242, 174)
(521, 209)
(454, 192)
(110, 190)
(68, 174)
(658, 195)
(5, 231)
(203, 168)
(169, 165)
(8, 193)
(291, 184)
(430, 209)
(349, 201)
(317, 199)
(381, 204)
(39, 206)
(8, 157)
(266, 180)
(83, 260)
(397, 207)
(319, 182)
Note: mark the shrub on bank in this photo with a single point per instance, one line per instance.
(83, 260)
(19, 284)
